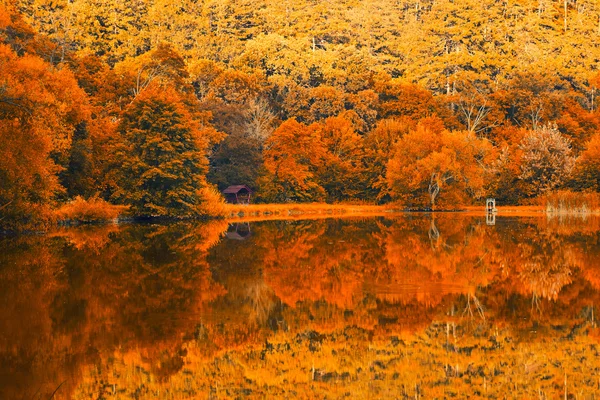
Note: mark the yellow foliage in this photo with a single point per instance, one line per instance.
(212, 203)
(89, 210)
(567, 202)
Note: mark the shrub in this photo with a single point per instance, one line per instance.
(211, 202)
(90, 210)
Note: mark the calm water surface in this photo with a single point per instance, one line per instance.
(404, 307)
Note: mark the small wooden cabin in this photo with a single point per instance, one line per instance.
(237, 194)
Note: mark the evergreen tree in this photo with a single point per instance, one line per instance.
(78, 178)
(163, 156)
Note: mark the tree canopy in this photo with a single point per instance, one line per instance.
(428, 103)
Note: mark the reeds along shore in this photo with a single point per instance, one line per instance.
(571, 203)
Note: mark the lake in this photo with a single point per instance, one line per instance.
(402, 306)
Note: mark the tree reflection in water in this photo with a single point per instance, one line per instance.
(137, 310)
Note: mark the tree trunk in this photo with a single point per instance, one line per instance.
(434, 189)
(565, 14)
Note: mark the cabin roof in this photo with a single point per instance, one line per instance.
(236, 189)
(237, 236)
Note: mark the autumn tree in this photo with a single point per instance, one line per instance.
(293, 154)
(259, 119)
(78, 177)
(532, 99)
(202, 75)
(362, 110)
(577, 123)
(379, 145)
(341, 172)
(325, 102)
(404, 99)
(309, 105)
(163, 154)
(234, 87)
(587, 166)
(438, 169)
(547, 161)
(162, 65)
(236, 160)
(504, 183)
(40, 106)
(474, 105)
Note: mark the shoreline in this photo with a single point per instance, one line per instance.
(297, 211)
(253, 212)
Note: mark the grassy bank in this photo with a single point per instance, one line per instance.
(520, 211)
(88, 211)
(96, 210)
(316, 210)
(570, 203)
(291, 210)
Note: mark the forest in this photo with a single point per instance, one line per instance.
(157, 105)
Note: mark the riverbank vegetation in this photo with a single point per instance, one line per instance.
(303, 103)
(566, 202)
(89, 211)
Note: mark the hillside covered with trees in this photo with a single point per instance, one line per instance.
(431, 104)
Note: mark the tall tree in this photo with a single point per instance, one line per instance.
(444, 169)
(587, 166)
(40, 106)
(342, 169)
(547, 161)
(163, 153)
(293, 154)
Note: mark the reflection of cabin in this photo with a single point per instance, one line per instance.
(237, 194)
(238, 231)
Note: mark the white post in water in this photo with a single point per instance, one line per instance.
(490, 211)
(490, 206)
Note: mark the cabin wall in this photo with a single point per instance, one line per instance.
(231, 198)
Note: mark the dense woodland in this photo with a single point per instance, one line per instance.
(432, 104)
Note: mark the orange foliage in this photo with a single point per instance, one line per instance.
(426, 163)
(340, 172)
(587, 166)
(405, 99)
(296, 301)
(40, 106)
(90, 210)
(240, 74)
(293, 154)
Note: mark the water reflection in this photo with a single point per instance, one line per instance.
(265, 309)
(239, 231)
